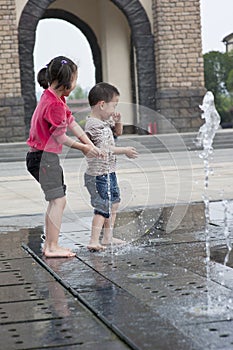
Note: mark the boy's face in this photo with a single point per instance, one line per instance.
(108, 108)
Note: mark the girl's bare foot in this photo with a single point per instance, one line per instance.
(112, 241)
(58, 248)
(93, 247)
(58, 252)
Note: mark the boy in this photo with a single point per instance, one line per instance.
(100, 177)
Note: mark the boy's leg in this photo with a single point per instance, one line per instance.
(97, 224)
(108, 228)
(115, 207)
(53, 221)
(109, 224)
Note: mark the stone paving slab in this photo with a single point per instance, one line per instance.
(59, 334)
(20, 292)
(214, 335)
(27, 272)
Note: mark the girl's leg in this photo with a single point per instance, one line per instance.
(108, 228)
(53, 221)
(97, 224)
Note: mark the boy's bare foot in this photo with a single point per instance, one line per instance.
(95, 247)
(112, 241)
(59, 252)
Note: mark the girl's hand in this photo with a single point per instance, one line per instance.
(92, 151)
(131, 152)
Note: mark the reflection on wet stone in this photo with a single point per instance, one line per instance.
(150, 289)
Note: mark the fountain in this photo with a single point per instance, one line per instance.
(207, 131)
(205, 139)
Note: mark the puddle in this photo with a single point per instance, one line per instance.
(207, 310)
(36, 239)
(147, 275)
(219, 253)
(159, 240)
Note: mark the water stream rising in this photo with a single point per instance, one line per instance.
(107, 144)
(205, 139)
(226, 230)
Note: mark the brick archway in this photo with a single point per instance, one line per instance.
(26, 47)
(142, 40)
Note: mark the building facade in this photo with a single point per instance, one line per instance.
(228, 41)
(150, 49)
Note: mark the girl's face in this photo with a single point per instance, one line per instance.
(73, 85)
(108, 108)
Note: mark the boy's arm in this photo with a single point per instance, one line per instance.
(118, 128)
(130, 152)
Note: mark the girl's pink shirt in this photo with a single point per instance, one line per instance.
(49, 123)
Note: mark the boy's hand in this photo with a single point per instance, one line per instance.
(116, 117)
(131, 152)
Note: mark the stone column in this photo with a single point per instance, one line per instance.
(179, 63)
(12, 126)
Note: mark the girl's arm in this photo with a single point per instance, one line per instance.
(88, 149)
(85, 146)
(80, 134)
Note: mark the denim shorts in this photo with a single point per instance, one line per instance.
(100, 189)
(45, 168)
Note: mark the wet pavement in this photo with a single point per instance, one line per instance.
(157, 292)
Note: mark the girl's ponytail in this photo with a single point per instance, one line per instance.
(42, 78)
(59, 69)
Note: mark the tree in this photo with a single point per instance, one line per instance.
(218, 73)
(78, 93)
(229, 81)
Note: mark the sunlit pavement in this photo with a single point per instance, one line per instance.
(157, 292)
(152, 179)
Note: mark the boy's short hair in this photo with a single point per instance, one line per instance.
(102, 92)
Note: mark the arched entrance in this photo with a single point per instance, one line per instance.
(86, 30)
(142, 41)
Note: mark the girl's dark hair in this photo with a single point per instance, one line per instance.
(59, 69)
(102, 92)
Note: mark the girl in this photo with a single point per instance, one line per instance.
(46, 138)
